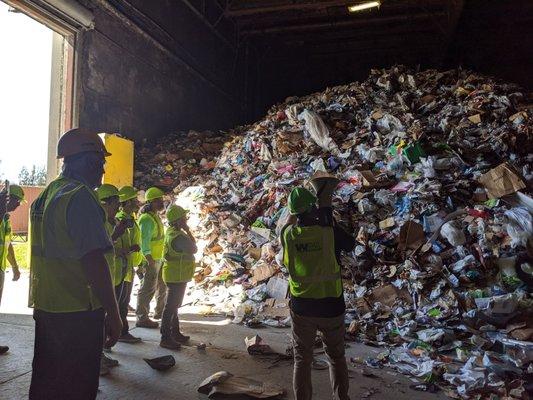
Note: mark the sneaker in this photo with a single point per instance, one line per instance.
(147, 323)
(129, 338)
(4, 349)
(170, 344)
(180, 338)
(157, 316)
(109, 362)
(104, 369)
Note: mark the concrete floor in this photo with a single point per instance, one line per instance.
(133, 379)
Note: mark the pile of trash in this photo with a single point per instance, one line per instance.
(435, 171)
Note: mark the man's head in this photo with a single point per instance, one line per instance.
(16, 196)
(128, 199)
(154, 196)
(84, 153)
(177, 216)
(109, 198)
(302, 203)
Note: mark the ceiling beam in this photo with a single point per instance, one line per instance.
(344, 23)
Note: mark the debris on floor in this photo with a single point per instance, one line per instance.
(161, 363)
(225, 383)
(435, 177)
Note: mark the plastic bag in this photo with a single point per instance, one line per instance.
(520, 226)
(451, 232)
(385, 198)
(428, 168)
(318, 131)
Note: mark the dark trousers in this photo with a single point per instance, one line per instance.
(66, 361)
(170, 323)
(123, 294)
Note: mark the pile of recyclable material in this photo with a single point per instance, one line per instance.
(435, 177)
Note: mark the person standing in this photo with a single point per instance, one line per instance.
(116, 257)
(129, 206)
(7, 253)
(152, 245)
(70, 284)
(178, 270)
(311, 249)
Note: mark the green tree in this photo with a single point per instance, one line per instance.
(35, 177)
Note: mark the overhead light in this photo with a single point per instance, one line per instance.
(363, 6)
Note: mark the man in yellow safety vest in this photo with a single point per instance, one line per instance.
(311, 250)
(178, 270)
(71, 288)
(7, 253)
(129, 206)
(152, 244)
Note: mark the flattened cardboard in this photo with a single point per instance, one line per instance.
(501, 181)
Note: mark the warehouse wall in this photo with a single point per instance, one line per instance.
(129, 84)
(496, 38)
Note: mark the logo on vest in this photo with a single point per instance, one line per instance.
(307, 247)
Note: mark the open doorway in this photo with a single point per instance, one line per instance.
(36, 92)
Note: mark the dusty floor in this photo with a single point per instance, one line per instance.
(133, 379)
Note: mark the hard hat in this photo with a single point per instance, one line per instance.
(153, 193)
(80, 140)
(175, 212)
(106, 191)
(127, 193)
(300, 200)
(16, 191)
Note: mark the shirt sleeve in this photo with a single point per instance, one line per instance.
(343, 240)
(183, 244)
(85, 223)
(146, 226)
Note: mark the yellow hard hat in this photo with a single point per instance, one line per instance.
(16, 191)
(80, 140)
(175, 213)
(106, 191)
(127, 193)
(153, 193)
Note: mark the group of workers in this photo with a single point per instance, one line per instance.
(86, 240)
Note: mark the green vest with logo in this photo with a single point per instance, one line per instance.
(157, 241)
(178, 266)
(135, 258)
(5, 240)
(309, 254)
(57, 285)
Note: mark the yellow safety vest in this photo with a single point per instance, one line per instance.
(57, 285)
(178, 266)
(135, 258)
(5, 240)
(157, 241)
(309, 254)
(117, 265)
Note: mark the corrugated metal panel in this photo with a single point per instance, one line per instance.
(19, 218)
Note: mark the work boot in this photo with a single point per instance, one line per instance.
(129, 338)
(147, 323)
(4, 349)
(180, 338)
(170, 343)
(109, 362)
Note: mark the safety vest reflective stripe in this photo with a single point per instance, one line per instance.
(178, 266)
(57, 285)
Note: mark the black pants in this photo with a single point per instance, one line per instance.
(66, 361)
(123, 294)
(170, 324)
